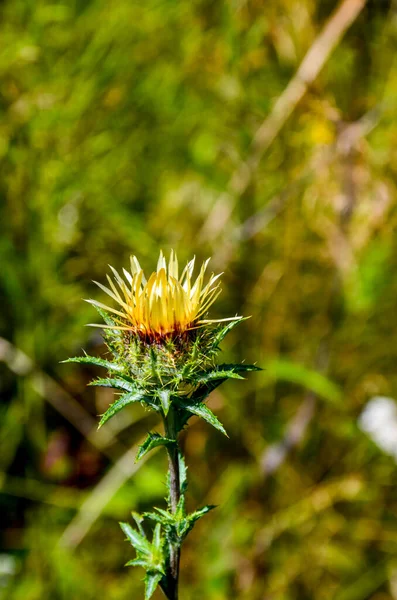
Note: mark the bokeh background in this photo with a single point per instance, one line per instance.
(262, 133)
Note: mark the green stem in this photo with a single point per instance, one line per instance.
(175, 494)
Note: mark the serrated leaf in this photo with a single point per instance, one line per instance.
(153, 516)
(222, 333)
(137, 562)
(123, 401)
(153, 440)
(238, 368)
(151, 581)
(164, 513)
(194, 517)
(138, 520)
(96, 361)
(201, 512)
(218, 374)
(138, 541)
(114, 382)
(201, 410)
(225, 372)
(165, 400)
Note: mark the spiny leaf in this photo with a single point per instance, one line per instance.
(226, 372)
(138, 541)
(201, 512)
(218, 374)
(201, 410)
(165, 400)
(194, 517)
(118, 384)
(138, 520)
(123, 401)
(238, 368)
(164, 513)
(177, 525)
(151, 580)
(153, 516)
(222, 333)
(152, 441)
(137, 562)
(96, 361)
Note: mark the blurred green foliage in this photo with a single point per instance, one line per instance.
(122, 124)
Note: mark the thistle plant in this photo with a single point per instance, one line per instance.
(164, 353)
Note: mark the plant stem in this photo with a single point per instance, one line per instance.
(175, 494)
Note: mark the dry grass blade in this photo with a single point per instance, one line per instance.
(20, 364)
(307, 72)
(101, 495)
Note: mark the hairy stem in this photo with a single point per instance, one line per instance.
(175, 494)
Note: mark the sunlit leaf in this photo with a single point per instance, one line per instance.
(201, 410)
(153, 440)
(120, 403)
(151, 582)
(96, 361)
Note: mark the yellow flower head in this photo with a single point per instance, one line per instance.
(163, 304)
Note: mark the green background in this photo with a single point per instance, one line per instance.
(127, 127)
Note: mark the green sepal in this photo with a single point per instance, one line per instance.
(165, 400)
(96, 361)
(151, 582)
(201, 410)
(124, 400)
(153, 440)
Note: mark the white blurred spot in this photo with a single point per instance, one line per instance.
(68, 215)
(379, 421)
(29, 53)
(8, 568)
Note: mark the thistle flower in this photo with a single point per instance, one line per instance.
(164, 304)
(155, 359)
